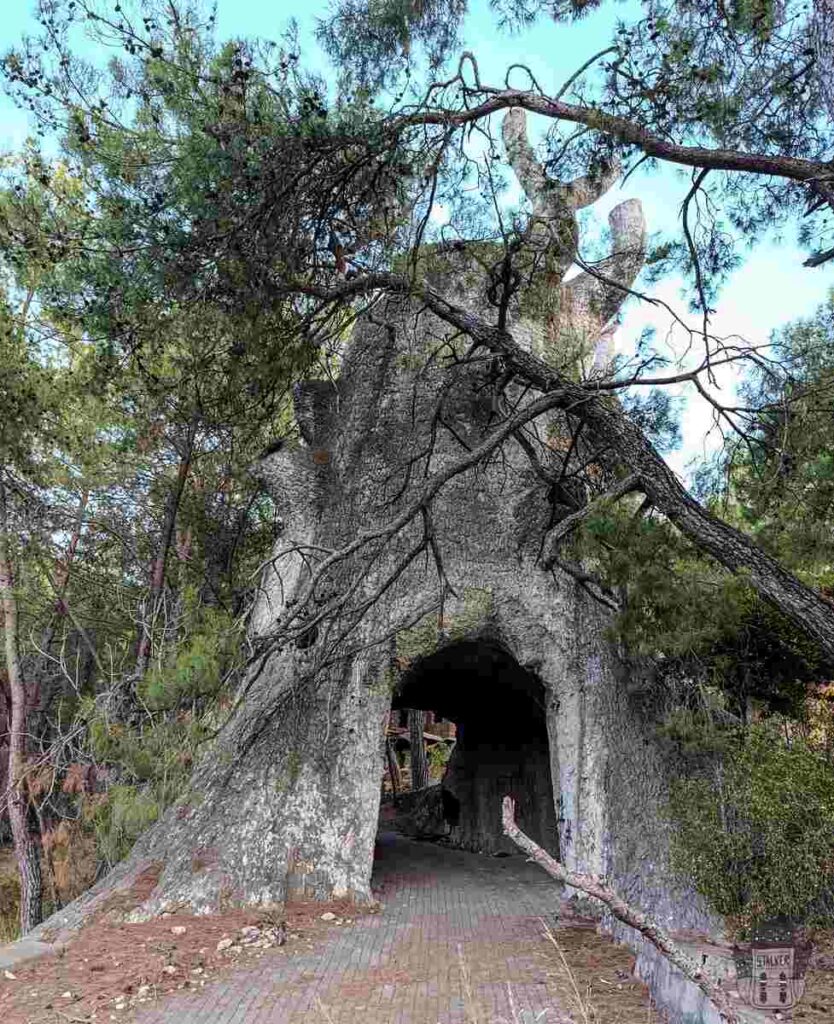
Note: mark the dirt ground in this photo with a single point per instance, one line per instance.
(111, 966)
(817, 1004)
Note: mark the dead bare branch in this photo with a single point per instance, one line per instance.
(596, 887)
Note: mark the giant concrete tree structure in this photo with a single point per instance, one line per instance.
(410, 569)
(423, 503)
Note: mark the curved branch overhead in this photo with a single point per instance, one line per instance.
(780, 166)
(816, 175)
(627, 447)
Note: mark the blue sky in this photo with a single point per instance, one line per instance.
(770, 289)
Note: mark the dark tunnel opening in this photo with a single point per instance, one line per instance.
(500, 747)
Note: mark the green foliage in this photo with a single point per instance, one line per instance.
(121, 818)
(778, 486)
(699, 732)
(757, 835)
(692, 71)
(372, 39)
(418, 641)
(22, 392)
(656, 413)
(477, 606)
(159, 751)
(783, 484)
(438, 757)
(680, 605)
(195, 667)
(423, 639)
(385, 684)
(152, 762)
(293, 764)
(135, 395)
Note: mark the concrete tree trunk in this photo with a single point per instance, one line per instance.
(370, 599)
(419, 761)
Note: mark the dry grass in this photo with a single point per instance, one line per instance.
(576, 972)
(594, 979)
(815, 1007)
(584, 1010)
(68, 861)
(9, 896)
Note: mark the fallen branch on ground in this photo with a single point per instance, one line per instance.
(594, 886)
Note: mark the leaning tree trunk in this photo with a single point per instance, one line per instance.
(158, 567)
(623, 444)
(25, 847)
(419, 761)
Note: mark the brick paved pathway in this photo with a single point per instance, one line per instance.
(460, 941)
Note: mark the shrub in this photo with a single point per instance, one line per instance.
(756, 835)
(120, 818)
(195, 667)
(9, 902)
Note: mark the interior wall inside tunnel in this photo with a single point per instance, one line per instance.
(501, 746)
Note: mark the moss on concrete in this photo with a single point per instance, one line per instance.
(427, 636)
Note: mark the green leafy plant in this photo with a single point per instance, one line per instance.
(756, 834)
(195, 667)
(121, 818)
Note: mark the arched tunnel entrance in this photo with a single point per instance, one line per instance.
(500, 747)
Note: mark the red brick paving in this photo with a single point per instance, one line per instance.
(460, 940)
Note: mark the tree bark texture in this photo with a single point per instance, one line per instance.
(5, 728)
(25, 846)
(629, 447)
(419, 761)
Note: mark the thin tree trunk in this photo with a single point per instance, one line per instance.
(172, 507)
(393, 768)
(174, 619)
(419, 762)
(48, 682)
(25, 847)
(62, 574)
(594, 886)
